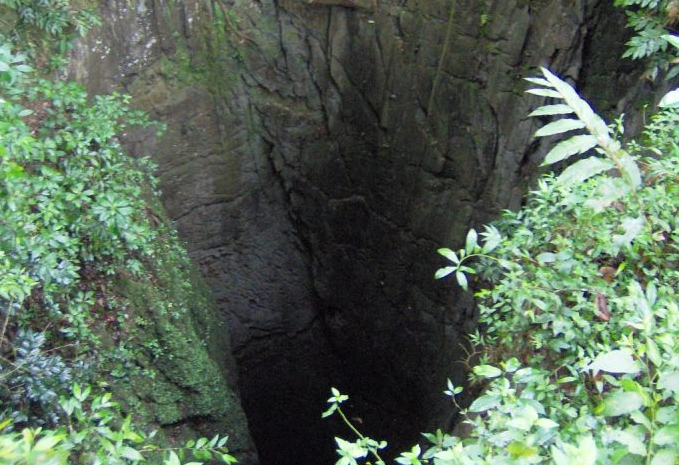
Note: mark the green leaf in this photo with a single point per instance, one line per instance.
(669, 381)
(621, 403)
(544, 93)
(443, 272)
(131, 454)
(491, 238)
(483, 403)
(631, 441)
(667, 435)
(573, 146)
(595, 124)
(172, 459)
(582, 170)
(653, 353)
(549, 110)
(512, 365)
(665, 457)
(48, 442)
(330, 411)
(461, 280)
(487, 371)
(615, 361)
(471, 241)
(670, 99)
(674, 40)
(546, 423)
(449, 254)
(520, 449)
(559, 127)
(538, 81)
(546, 257)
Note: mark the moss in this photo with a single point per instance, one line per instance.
(170, 366)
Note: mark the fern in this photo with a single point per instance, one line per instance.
(597, 137)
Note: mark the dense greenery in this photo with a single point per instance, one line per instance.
(77, 217)
(578, 351)
(651, 21)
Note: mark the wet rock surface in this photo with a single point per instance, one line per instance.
(316, 156)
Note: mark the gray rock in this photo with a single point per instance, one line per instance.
(317, 154)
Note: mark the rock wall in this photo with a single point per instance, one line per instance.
(317, 155)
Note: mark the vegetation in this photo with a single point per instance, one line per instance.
(651, 21)
(77, 218)
(578, 353)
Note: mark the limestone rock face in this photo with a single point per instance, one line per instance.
(317, 154)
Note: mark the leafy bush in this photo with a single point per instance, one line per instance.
(94, 434)
(73, 213)
(651, 21)
(579, 347)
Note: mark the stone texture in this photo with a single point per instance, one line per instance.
(317, 154)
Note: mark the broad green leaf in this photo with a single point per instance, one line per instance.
(670, 99)
(674, 40)
(48, 442)
(665, 457)
(487, 371)
(653, 353)
(449, 254)
(512, 365)
(172, 459)
(633, 443)
(538, 81)
(669, 381)
(443, 272)
(667, 415)
(520, 449)
(471, 241)
(558, 127)
(3, 66)
(549, 110)
(639, 417)
(621, 403)
(546, 257)
(582, 170)
(573, 146)
(546, 423)
(461, 280)
(585, 453)
(484, 403)
(615, 361)
(544, 93)
(131, 454)
(667, 435)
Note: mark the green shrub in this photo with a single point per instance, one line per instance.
(94, 433)
(579, 345)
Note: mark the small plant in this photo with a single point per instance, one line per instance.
(651, 21)
(95, 434)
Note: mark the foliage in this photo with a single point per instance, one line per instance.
(45, 25)
(579, 350)
(74, 215)
(651, 20)
(94, 434)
